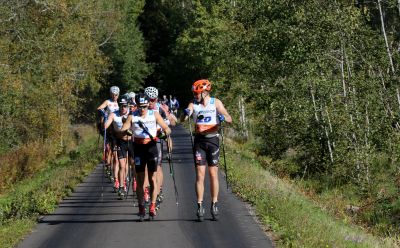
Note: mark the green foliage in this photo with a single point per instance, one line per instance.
(125, 48)
(39, 195)
(53, 65)
(314, 77)
(293, 219)
(311, 75)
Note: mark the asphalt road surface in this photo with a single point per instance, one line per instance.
(88, 218)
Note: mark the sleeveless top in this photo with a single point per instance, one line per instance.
(119, 120)
(163, 114)
(208, 124)
(112, 107)
(149, 121)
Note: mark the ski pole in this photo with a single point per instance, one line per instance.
(191, 140)
(104, 157)
(171, 168)
(127, 176)
(130, 170)
(223, 151)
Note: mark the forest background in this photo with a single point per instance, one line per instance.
(313, 86)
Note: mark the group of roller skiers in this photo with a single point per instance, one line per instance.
(135, 129)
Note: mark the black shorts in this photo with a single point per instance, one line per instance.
(146, 154)
(124, 148)
(112, 140)
(206, 150)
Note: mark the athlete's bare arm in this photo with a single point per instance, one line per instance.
(162, 123)
(172, 119)
(109, 120)
(221, 110)
(103, 105)
(185, 117)
(127, 124)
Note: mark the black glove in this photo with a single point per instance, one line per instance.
(186, 112)
(162, 135)
(129, 132)
(102, 112)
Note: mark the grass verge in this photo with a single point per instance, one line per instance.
(295, 220)
(27, 200)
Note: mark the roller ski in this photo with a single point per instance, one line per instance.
(159, 200)
(108, 173)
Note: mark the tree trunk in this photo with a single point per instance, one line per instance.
(314, 104)
(386, 103)
(327, 135)
(398, 6)
(342, 74)
(330, 124)
(385, 37)
(397, 125)
(243, 120)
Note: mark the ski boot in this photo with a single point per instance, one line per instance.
(214, 211)
(134, 185)
(200, 212)
(152, 211)
(121, 193)
(146, 198)
(142, 212)
(116, 185)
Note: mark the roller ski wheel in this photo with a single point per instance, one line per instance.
(108, 172)
(160, 197)
(159, 200)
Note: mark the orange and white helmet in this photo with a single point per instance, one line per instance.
(201, 85)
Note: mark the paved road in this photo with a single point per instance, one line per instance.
(85, 219)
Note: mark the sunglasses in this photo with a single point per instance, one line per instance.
(124, 106)
(142, 107)
(153, 100)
